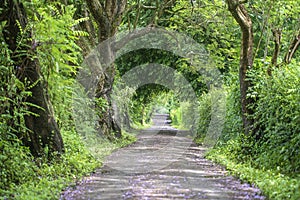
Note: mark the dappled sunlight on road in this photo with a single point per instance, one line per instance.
(162, 164)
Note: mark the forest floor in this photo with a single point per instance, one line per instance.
(164, 163)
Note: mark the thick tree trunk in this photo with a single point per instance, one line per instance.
(108, 15)
(43, 129)
(240, 14)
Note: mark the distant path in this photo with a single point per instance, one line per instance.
(162, 164)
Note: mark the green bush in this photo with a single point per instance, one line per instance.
(277, 115)
(16, 164)
(25, 177)
(183, 115)
(233, 119)
(270, 157)
(273, 184)
(204, 117)
(275, 144)
(212, 103)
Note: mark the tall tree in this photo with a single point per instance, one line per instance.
(108, 16)
(43, 129)
(240, 14)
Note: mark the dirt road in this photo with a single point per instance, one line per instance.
(163, 164)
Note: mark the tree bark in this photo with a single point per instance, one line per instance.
(241, 16)
(43, 129)
(85, 43)
(108, 15)
(277, 41)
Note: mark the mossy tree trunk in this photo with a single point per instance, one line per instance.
(108, 15)
(42, 127)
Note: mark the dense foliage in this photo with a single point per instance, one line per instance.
(56, 35)
(269, 158)
(269, 155)
(23, 176)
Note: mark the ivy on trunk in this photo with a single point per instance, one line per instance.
(108, 15)
(42, 127)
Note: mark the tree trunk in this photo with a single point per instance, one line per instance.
(43, 129)
(108, 15)
(277, 42)
(85, 43)
(240, 14)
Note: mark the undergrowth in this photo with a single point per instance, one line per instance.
(269, 157)
(44, 179)
(273, 184)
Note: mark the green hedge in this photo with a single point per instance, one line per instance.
(270, 157)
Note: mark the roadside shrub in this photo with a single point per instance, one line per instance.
(233, 125)
(16, 164)
(270, 157)
(277, 115)
(205, 116)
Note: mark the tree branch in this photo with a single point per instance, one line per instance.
(265, 23)
(292, 49)
(135, 34)
(96, 9)
(243, 1)
(148, 7)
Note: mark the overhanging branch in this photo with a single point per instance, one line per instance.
(292, 49)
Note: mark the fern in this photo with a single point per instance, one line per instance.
(80, 20)
(59, 55)
(20, 27)
(80, 33)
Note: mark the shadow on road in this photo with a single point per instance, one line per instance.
(162, 164)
